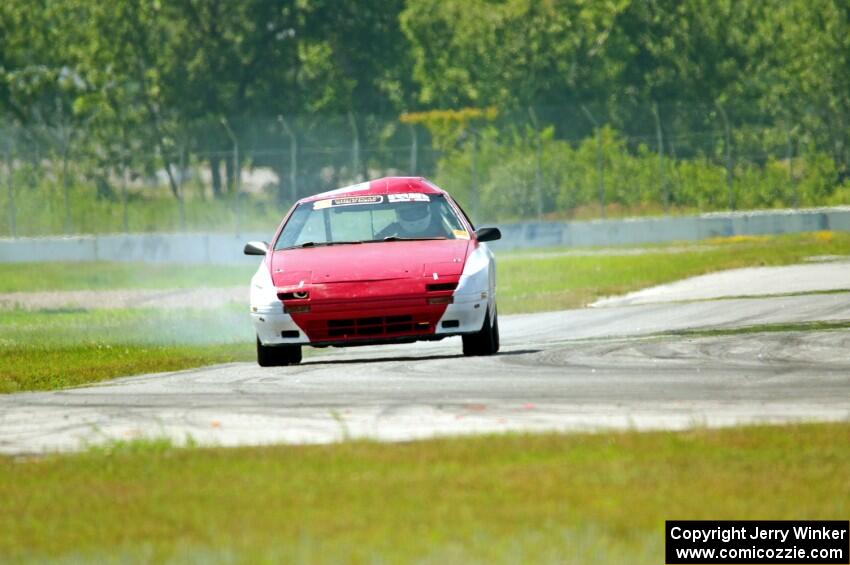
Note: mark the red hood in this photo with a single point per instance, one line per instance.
(368, 261)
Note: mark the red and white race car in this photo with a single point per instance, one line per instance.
(387, 261)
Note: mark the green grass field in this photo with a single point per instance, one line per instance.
(552, 282)
(544, 498)
(57, 348)
(51, 349)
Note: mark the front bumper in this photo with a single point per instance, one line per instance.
(276, 328)
(464, 315)
(373, 322)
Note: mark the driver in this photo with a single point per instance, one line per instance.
(413, 219)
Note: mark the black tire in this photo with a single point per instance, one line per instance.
(484, 342)
(277, 356)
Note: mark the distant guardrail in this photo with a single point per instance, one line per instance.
(217, 248)
(672, 228)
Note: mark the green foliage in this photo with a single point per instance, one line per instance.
(325, 93)
(40, 209)
(634, 179)
(477, 52)
(449, 127)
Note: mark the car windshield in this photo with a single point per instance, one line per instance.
(369, 218)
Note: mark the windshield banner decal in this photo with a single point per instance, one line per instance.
(408, 197)
(348, 201)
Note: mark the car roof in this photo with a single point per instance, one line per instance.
(385, 185)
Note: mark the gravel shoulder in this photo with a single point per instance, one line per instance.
(752, 281)
(125, 298)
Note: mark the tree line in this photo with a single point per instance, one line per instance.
(319, 89)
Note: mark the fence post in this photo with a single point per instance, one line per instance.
(355, 147)
(728, 150)
(293, 165)
(237, 173)
(414, 149)
(13, 228)
(293, 157)
(66, 185)
(600, 163)
(674, 186)
(66, 197)
(659, 136)
(538, 168)
(172, 183)
(181, 165)
(125, 214)
(790, 156)
(600, 171)
(473, 173)
(181, 209)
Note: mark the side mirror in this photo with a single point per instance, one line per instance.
(256, 248)
(488, 234)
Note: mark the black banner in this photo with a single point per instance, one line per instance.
(757, 541)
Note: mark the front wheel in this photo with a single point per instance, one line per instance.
(484, 342)
(278, 356)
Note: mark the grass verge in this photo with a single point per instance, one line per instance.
(529, 280)
(52, 367)
(493, 499)
(550, 282)
(55, 349)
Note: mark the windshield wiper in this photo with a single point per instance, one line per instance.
(321, 244)
(399, 238)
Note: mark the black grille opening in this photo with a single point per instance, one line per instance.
(338, 328)
(451, 324)
(290, 333)
(440, 286)
(374, 326)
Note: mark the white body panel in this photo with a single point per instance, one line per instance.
(475, 294)
(267, 312)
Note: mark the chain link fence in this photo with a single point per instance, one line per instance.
(555, 163)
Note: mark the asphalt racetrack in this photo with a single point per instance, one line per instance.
(607, 367)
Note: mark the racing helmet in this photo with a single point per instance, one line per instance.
(414, 217)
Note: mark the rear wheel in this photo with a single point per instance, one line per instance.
(277, 356)
(484, 342)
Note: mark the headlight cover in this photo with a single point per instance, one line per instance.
(263, 292)
(475, 277)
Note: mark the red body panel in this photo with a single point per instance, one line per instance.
(369, 262)
(370, 291)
